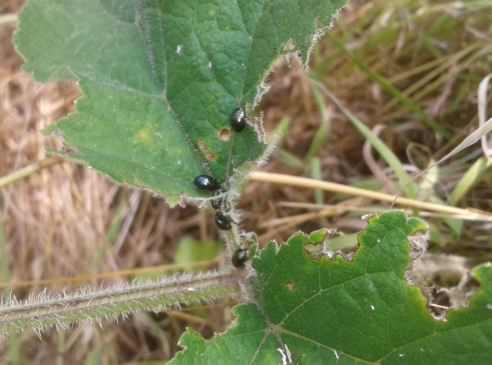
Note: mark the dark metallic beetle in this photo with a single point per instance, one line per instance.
(238, 119)
(239, 257)
(223, 221)
(206, 183)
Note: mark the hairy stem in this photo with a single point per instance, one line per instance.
(95, 304)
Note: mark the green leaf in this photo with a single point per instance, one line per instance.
(161, 78)
(334, 311)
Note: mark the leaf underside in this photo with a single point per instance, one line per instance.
(161, 78)
(332, 311)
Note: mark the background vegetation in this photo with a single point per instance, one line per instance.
(409, 69)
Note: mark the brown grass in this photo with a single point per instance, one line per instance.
(69, 220)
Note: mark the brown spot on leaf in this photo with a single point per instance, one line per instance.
(291, 286)
(225, 134)
(145, 136)
(209, 155)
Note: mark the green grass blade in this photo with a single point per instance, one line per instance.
(405, 181)
(388, 87)
(469, 179)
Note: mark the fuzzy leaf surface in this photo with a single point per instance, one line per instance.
(161, 78)
(333, 311)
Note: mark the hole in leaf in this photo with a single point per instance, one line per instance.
(225, 134)
(439, 303)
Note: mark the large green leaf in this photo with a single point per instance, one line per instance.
(333, 311)
(161, 78)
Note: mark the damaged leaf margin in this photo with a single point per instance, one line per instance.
(161, 78)
(333, 311)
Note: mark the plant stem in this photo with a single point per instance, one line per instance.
(344, 189)
(62, 310)
(28, 171)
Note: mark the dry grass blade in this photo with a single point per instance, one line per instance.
(8, 19)
(470, 140)
(482, 115)
(113, 275)
(324, 212)
(423, 86)
(28, 171)
(476, 171)
(344, 189)
(363, 210)
(422, 55)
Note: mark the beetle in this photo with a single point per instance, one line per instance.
(239, 257)
(206, 183)
(224, 222)
(238, 119)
